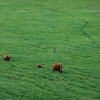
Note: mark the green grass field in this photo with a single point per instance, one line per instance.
(44, 32)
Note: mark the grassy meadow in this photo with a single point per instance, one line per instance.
(47, 32)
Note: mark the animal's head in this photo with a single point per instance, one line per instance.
(60, 68)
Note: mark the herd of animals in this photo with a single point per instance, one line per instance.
(55, 67)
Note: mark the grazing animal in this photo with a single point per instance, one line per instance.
(57, 67)
(39, 66)
(6, 57)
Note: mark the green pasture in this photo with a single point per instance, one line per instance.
(47, 32)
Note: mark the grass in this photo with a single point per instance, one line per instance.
(44, 32)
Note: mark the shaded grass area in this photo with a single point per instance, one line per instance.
(46, 32)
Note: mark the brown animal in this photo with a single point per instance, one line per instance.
(57, 67)
(39, 66)
(6, 57)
